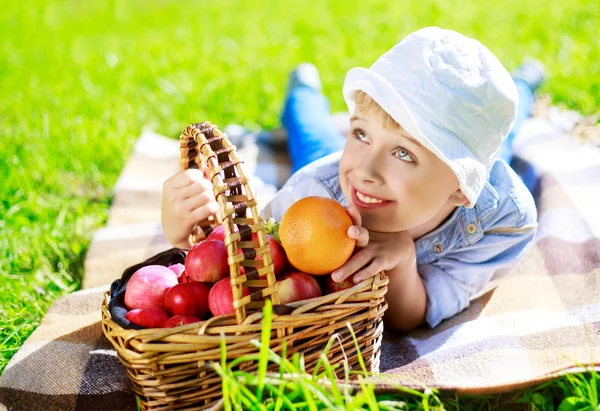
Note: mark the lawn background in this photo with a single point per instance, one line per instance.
(79, 80)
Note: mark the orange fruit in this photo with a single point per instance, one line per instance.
(313, 233)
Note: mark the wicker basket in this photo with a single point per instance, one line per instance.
(171, 368)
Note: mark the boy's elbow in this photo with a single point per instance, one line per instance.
(402, 323)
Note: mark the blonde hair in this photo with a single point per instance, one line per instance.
(366, 105)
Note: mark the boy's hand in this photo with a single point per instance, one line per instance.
(187, 199)
(380, 251)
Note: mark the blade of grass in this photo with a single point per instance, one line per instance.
(325, 352)
(369, 394)
(358, 354)
(334, 389)
(224, 382)
(264, 348)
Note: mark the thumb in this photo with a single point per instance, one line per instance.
(354, 215)
(360, 234)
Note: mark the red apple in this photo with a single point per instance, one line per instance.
(148, 285)
(277, 253)
(184, 278)
(189, 298)
(217, 234)
(207, 262)
(330, 286)
(296, 286)
(177, 269)
(220, 297)
(178, 320)
(150, 317)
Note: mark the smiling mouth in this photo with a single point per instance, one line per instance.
(366, 201)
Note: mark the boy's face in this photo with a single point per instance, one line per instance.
(395, 183)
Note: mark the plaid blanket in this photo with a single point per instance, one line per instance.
(540, 322)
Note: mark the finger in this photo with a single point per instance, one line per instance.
(354, 215)
(203, 212)
(197, 188)
(352, 265)
(367, 272)
(202, 199)
(360, 234)
(186, 177)
(206, 171)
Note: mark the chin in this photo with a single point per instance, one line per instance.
(382, 224)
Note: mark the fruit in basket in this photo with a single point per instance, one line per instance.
(178, 320)
(330, 286)
(189, 298)
(313, 232)
(296, 286)
(149, 317)
(207, 262)
(178, 269)
(148, 285)
(220, 297)
(277, 255)
(276, 250)
(217, 234)
(184, 278)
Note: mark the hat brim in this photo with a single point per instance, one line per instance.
(422, 127)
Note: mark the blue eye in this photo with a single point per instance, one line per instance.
(360, 135)
(404, 155)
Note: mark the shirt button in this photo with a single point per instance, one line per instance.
(471, 228)
(438, 248)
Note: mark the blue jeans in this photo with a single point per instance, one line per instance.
(312, 134)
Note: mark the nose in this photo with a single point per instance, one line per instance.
(368, 169)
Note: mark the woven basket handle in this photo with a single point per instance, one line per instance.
(204, 144)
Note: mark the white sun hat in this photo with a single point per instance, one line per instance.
(450, 93)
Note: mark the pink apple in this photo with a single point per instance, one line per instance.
(220, 297)
(177, 269)
(296, 286)
(148, 285)
(189, 298)
(207, 262)
(178, 320)
(150, 317)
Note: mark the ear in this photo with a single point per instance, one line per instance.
(458, 199)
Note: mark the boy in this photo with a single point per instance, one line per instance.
(430, 203)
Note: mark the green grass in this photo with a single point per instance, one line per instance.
(79, 80)
(262, 391)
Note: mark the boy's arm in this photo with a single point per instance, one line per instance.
(394, 253)
(406, 298)
(437, 290)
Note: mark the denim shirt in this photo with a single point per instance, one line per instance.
(457, 260)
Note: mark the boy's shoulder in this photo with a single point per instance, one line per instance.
(324, 167)
(319, 178)
(505, 201)
(323, 172)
